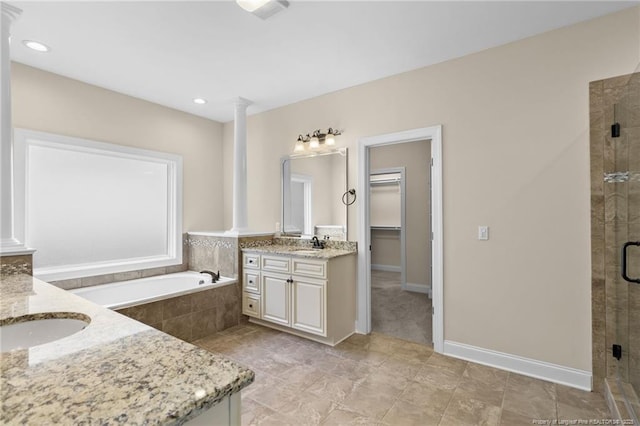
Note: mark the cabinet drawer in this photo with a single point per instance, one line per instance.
(309, 268)
(276, 264)
(251, 282)
(251, 260)
(251, 305)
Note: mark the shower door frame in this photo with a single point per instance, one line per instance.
(612, 225)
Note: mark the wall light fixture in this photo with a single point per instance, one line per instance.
(316, 140)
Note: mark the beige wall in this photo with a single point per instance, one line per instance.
(515, 147)
(51, 103)
(386, 249)
(415, 157)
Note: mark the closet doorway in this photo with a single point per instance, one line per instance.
(399, 227)
(400, 275)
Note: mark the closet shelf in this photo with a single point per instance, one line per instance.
(395, 181)
(387, 228)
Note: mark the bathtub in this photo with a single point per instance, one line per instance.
(124, 294)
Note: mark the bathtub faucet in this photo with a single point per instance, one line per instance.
(214, 277)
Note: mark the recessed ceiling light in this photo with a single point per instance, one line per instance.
(199, 101)
(263, 9)
(36, 45)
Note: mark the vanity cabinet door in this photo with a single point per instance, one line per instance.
(276, 303)
(309, 310)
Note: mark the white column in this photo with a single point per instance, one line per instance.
(8, 240)
(240, 221)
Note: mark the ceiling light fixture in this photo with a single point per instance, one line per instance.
(263, 9)
(199, 101)
(36, 45)
(316, 140)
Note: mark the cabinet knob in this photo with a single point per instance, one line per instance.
(250, 282)
(251, 305)
(251, 261)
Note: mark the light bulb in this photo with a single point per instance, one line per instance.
(299, 146)
(314, 143)
(329, 140)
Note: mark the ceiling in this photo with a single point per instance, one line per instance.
(171, 52)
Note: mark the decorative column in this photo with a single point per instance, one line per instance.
(8, 241)
(240, 221)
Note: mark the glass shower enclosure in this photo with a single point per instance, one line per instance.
(621, 187)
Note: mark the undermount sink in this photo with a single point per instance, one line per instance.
(33, 330)
(307, 251)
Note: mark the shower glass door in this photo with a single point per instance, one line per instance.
(622, 229)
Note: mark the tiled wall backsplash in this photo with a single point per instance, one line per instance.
(213, 253)
(19, 264)
(334, 244)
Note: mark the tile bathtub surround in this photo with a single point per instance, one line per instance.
(191, 316)
(381, 380)
(213, 253)
(114, 371)
(16, 264)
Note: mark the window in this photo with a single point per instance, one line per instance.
(93, 208)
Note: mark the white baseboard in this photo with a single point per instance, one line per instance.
(388, 268)
(568, 376)
(418, 288)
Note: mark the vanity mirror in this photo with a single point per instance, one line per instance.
(312, 190)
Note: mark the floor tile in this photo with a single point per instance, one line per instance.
(530, 397)
(509, 418)
(467, 410)
(383, 380)
(407, 414)
(343, 417)
(438, 376)
(308, 408)
(336, 389)
(426, 395)
(371, 401)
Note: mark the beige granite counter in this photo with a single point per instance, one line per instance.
(115, 371)
(300, 251)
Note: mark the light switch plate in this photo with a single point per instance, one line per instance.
(483, 232)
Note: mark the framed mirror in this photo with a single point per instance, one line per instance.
(312, 189)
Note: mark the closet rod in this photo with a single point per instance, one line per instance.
(385, 181)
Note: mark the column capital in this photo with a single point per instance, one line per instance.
(10, 12)
(242, 102)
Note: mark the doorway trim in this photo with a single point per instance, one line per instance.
(434, 134)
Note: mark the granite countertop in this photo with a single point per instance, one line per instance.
(299, 251)
(115, 371)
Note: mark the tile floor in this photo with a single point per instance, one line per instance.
(381, 380)
(399, 313)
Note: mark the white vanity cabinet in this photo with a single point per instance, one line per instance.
(313, 298)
